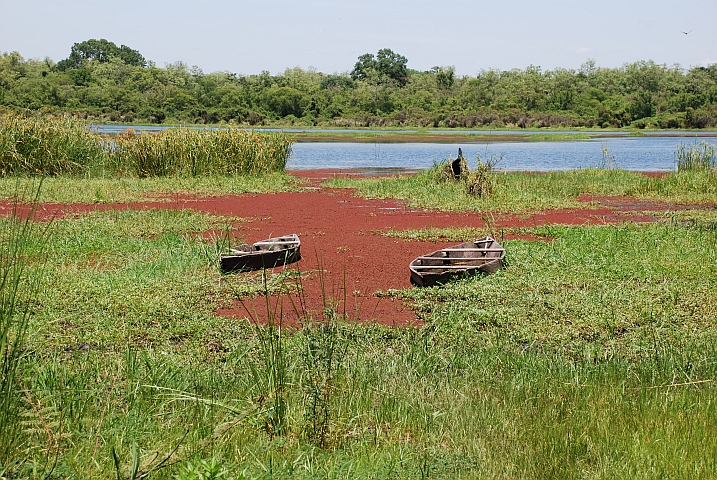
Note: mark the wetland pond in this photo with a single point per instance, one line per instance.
(649, 154)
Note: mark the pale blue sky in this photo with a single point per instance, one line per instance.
(247, 37)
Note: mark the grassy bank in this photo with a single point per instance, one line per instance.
(66, 189)
(519, 192)
(40, 145)
(590, 355)
(515, 192)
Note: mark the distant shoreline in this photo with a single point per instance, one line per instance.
(309, 137)
(323, 135)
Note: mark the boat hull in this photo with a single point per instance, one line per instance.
(482, 256)
(269, 253)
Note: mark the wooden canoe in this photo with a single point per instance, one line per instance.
(269, 253)
(484, 255)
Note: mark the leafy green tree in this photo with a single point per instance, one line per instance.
(11, 68)
(364, 66)
(284, 101)
(103, 82)
(336, 82)
(81, 76)
(445, 76)
(100, 51)
(392, 65)
(641, 106)
(386, 64)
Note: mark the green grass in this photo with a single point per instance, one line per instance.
(19, 281)
(45, 145)
(191, 153)
(558, 137)
(590, 356)
(589, 291)
(131, 189)
(455, 234)
(526, 192)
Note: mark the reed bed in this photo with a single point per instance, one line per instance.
(699, 156)
(37, 145)
(40, 145)
(192, 153)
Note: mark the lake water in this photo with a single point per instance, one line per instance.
(629, 153)
(645, 153)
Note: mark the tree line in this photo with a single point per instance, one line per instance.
(102, 82)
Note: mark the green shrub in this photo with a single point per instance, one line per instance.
(481, 182)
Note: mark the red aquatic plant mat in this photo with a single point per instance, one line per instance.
(340, 237)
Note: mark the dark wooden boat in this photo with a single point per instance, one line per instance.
(484, 255)
(269, 253)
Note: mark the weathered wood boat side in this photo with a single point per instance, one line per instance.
(484, 255)
(269, 253)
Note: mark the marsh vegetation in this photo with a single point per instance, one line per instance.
(590, 355)
(524, 192)
(42, 145)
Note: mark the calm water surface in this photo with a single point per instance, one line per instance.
(629, 153)
(646, 153)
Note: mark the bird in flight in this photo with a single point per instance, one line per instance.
(687, 32)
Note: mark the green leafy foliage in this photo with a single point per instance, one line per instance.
(103, 82)
(100, 51)
(385, 65)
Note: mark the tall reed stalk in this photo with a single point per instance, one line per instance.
(18, 287)
(698, 156)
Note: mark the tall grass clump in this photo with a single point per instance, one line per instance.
(42, 145)
(698, 156)
(38, 145)
(482, 181)
(191, 153)
(271, 371)
(310, 362)
(323, 349)
(18, 287)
